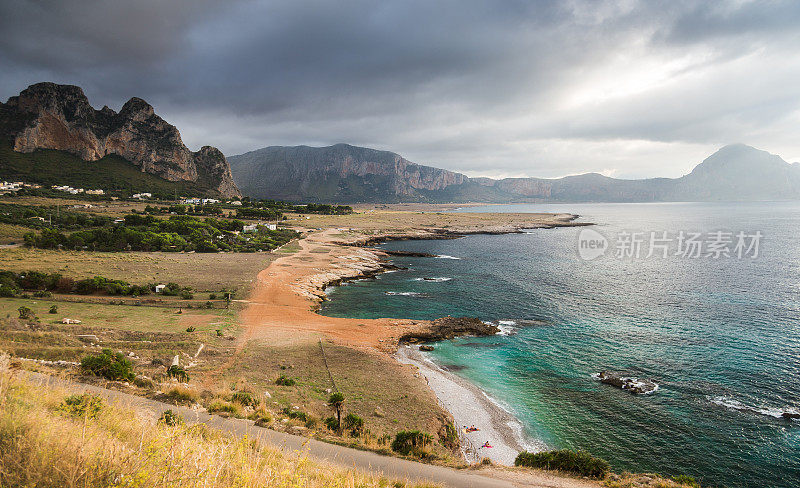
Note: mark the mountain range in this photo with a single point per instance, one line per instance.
(349, 174)
(51, 133)
(48, 116)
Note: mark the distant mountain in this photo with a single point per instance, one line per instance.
(47, 116)
(350, 174)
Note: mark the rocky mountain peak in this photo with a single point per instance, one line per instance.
(137, 109)
(52, 116)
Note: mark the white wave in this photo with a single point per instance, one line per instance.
(733, 404)
(404, 293)
(507, 327)
(445, 256)
(438, 279)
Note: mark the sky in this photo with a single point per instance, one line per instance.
(489, 88)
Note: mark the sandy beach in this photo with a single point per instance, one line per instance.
(470, 406)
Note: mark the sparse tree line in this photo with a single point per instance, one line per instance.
(175, 234)
(42, 284)
(40, 217)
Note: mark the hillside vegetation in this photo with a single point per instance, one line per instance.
(51, 439)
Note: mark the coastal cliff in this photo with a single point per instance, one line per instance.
(52, 116)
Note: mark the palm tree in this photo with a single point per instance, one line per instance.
(336, 401)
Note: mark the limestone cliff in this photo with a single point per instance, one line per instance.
(51, 116)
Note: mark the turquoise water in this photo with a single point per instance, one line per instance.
(720, 336)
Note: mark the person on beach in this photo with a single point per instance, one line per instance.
(486, 444)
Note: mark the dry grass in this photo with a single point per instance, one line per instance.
(205, 272)
(369, 383)
(42, 446)
(644, 480)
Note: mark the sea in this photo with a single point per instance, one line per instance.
(701, 298)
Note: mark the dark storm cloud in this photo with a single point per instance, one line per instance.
(503, 88)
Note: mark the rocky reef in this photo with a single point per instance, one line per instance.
(52, 116)
(633, 385)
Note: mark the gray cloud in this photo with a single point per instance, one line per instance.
(630, 88)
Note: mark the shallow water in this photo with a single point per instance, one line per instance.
(721, 337)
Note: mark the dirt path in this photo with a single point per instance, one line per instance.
(367, 461)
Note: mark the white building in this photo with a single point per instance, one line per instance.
(142, 196)
(248, 229)
(160, 288)
(209, 201)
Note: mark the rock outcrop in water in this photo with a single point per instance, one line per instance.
(52, 116)
(627, 383)
(449, 328)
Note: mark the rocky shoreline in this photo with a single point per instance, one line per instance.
(365, 262)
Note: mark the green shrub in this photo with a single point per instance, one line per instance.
(212, 296)
(26, 313)
(209, 305)
(331, 423)
(191, 328)
(353, 424)
(107, 364)
(295, 414)
(224, 407)
(53, 309)
(84, 405)
(284, 381)
(186, 295)
(244, 398)
(686, 480)
(575, 462)
(411, 442)
(178, 373)
(170, 418)
(42, 294)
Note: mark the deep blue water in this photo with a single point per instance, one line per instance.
(720, 336)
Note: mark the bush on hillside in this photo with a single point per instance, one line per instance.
(353, 424)
(170, 418)
(575, 462)
(178, 373)
(82, 405)
(411, 442)
(284, 381)
(109, 365)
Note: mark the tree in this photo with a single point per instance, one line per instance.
(336, 402)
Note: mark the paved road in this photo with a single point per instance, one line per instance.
(342, 456)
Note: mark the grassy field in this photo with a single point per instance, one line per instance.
(374, 387)
(206, 272)
(150, 333)
(43, 442)
(12, 234)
